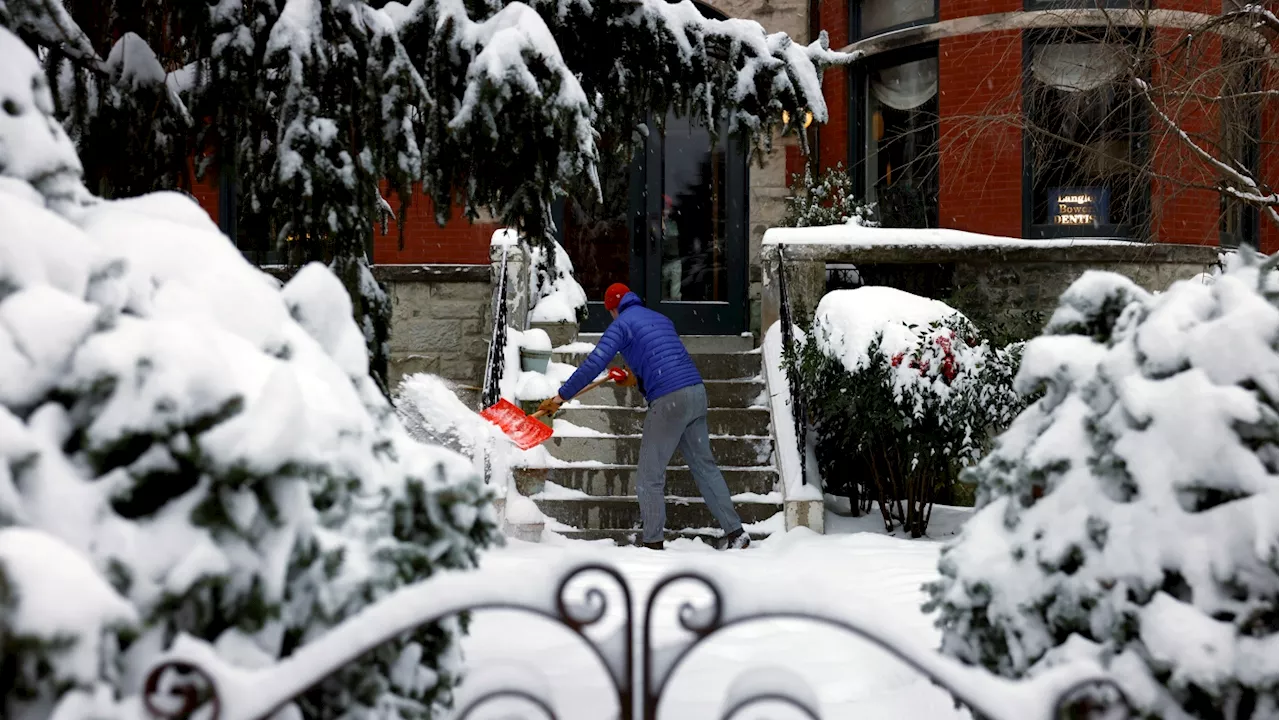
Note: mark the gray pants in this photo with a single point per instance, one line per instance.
(679, 420)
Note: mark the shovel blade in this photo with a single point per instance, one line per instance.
(530, 433)
(523, 430)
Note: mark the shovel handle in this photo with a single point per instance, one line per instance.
(592, 386)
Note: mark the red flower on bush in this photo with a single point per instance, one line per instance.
(896, 360)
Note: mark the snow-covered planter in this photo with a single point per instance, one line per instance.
(1130, 516)
(902, 392)
(188, 449)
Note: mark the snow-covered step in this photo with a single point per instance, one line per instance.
(620, 480)
(630, 420)
(720, 394)
(625, 449)
(697, 344)
(622, 513)
(712, 366)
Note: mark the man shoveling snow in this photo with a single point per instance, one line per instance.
(677, 416)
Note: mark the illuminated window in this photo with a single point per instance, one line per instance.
(1083, 139)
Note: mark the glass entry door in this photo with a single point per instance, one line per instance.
(695, 270)
(672, 226)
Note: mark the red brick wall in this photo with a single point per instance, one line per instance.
(459, 242)
(833, 16)
(979, 142)
(1181, 213)
(949, 9)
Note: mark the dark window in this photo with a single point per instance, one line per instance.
(872, 17)
(1241, 115)
(1084, 134)
(900, 126)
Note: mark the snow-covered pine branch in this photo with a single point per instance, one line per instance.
(186, 448)
(1130, 516)
(311, 104)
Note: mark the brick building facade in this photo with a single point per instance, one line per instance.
(978, 140)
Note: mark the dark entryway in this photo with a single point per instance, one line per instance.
(672, 225)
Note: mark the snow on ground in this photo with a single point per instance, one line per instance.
(850, 677)
(944, 522)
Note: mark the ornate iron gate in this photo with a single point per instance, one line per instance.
(192, 677)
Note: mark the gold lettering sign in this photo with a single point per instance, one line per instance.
(1075, 210)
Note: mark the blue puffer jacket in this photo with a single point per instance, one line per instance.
(649, 343)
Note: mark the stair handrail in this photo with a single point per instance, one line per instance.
(495, 358)
(799, 415)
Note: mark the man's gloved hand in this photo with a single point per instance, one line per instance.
(622, 377)
(551, 405)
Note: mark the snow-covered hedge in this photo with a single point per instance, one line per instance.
(188, 448)
(903, 392)
(1131, 514)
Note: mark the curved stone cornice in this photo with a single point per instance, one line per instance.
(1064, 17)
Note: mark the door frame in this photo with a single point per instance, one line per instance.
(645, 230)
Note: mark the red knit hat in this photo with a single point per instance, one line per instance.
(613, 296)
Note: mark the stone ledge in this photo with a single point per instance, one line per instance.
(406, 273)
(433, 273)
(974, 253)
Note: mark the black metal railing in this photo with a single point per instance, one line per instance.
(192, 678)
(495, 359)
(791, 359)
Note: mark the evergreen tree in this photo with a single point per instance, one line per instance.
(311, 104)
(185, 449)
(1129, 516)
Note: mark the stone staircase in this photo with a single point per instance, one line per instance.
(592, 495)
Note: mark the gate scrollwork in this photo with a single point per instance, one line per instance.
(191, 677)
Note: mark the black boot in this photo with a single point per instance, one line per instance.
(652, 545)
(735, 540)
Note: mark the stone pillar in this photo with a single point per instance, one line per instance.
(517, 277)
(806, 284)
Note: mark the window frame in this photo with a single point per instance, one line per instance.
(1251, 215)
(1140, 130)
(860, 106)
(855, 21)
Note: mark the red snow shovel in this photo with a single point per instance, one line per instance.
(525, 430)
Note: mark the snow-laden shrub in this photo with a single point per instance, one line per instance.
(555, 296)
(828, 199)
(1130, 515)
(903, 392)
(188, 449)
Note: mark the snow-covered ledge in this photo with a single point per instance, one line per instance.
(801, 496)
(997, 272)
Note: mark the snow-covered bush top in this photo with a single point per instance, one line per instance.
(555, 295)
(938, 368)
(199, 450)
(1131, 515)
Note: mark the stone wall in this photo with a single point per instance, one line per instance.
(439, 320)
(994, 283)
